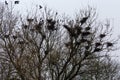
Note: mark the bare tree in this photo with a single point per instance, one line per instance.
(49, 47)
(101, 69)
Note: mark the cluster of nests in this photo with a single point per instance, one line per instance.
(78, 30)
(15, 2)
(98, 45)
(14, 38)
(73, 32)
(50, 24)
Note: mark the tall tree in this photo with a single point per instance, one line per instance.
(51, 47)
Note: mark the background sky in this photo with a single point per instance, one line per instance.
(106, 9)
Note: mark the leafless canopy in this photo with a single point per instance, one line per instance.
(49, 47)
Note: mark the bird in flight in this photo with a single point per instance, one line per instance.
(6, 3)
(40, 7)
(16, 2)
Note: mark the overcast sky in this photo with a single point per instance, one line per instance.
(105, 8)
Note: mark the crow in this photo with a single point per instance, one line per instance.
(40, 7)
(6, 3)
(16, 2)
